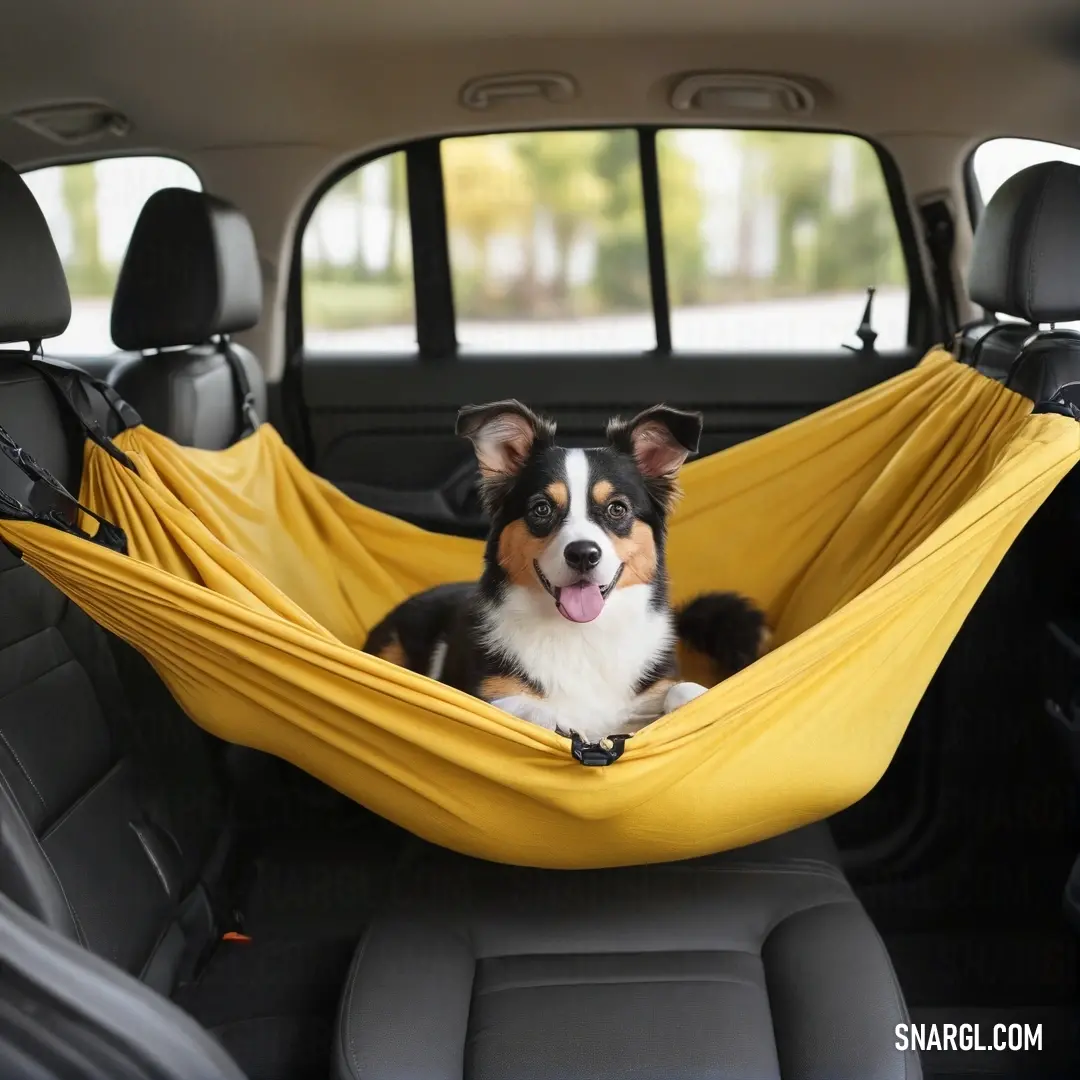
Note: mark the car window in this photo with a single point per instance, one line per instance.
(994, 161)
(547, 242)
(357, 264)
(767, 242)
(91, 209)
(772, 239)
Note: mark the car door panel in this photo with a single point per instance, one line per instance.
(369, 433)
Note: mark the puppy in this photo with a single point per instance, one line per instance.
(570, 627)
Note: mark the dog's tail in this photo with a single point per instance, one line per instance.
(725, 627)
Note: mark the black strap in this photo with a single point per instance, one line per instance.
(70, 383)
(247, 419)
(50, 502)
(940, 232)
(1062, 408)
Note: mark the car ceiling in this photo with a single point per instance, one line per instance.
(213, 73)
(266, 97)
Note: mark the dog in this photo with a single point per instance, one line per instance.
(570, 626)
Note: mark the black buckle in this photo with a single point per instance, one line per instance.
(247, 410)
(1061, 407)
(50, 503)
(605, 752)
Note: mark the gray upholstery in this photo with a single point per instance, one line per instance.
(191, 394)
(191, 273)
(757, 963)
(1023, 259)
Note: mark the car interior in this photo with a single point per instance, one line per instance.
(350, 220)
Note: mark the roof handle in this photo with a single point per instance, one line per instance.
(744, 93)
(488, 90)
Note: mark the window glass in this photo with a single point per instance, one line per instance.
(91, 209)
(996, 160)
(547, 242)
(357, 259)
(772, 238)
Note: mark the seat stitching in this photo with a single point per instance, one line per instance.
(42, 674)
(67, 814)
(23, 769)
(689, 980)
(822, 870)
(350, 1035)
(900, 1002)
(45, 855)
(901, 1006)
(15, 642)
(152, 857)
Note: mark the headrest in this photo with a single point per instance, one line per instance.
(191, 271)
(34, 298)
(1025, 261)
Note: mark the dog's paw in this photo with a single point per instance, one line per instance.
(682, 693)
(528, 709)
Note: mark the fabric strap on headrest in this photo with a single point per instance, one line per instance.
(34, 298)
(1025, 261)
(191, 272)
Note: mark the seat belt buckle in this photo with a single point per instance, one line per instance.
(247, 410)
(597, 754)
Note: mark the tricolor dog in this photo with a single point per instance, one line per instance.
(570, 626)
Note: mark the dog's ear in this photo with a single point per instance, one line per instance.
(659, 440)
(503, 435)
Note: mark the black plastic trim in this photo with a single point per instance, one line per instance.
(649, 168)
(435, 322)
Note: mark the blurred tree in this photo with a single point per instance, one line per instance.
(488, 192)
(562, 182)
(682, 210)
(87, 275)
(399, 216)
(622, 261)
(826, 243)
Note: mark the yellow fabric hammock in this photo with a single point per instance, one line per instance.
(866, 531)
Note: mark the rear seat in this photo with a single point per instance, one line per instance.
(115, 830)
(755, 963)
(115, 822)
(190, 277)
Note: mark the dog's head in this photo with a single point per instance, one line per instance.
(578, 524)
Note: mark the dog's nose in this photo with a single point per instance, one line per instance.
(582, 555)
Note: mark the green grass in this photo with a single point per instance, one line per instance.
(355, 305)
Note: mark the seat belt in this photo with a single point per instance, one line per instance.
(247, 419)
(940, 232)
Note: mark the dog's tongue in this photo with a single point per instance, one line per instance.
(581, 602)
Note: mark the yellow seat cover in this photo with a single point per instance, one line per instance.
(866, 531)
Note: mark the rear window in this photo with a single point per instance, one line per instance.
(754, 242)
(993, 162)
(91, 209)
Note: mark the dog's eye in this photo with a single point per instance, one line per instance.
(617, 510)
(541, 510)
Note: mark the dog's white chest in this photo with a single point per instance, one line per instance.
(588, 670)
